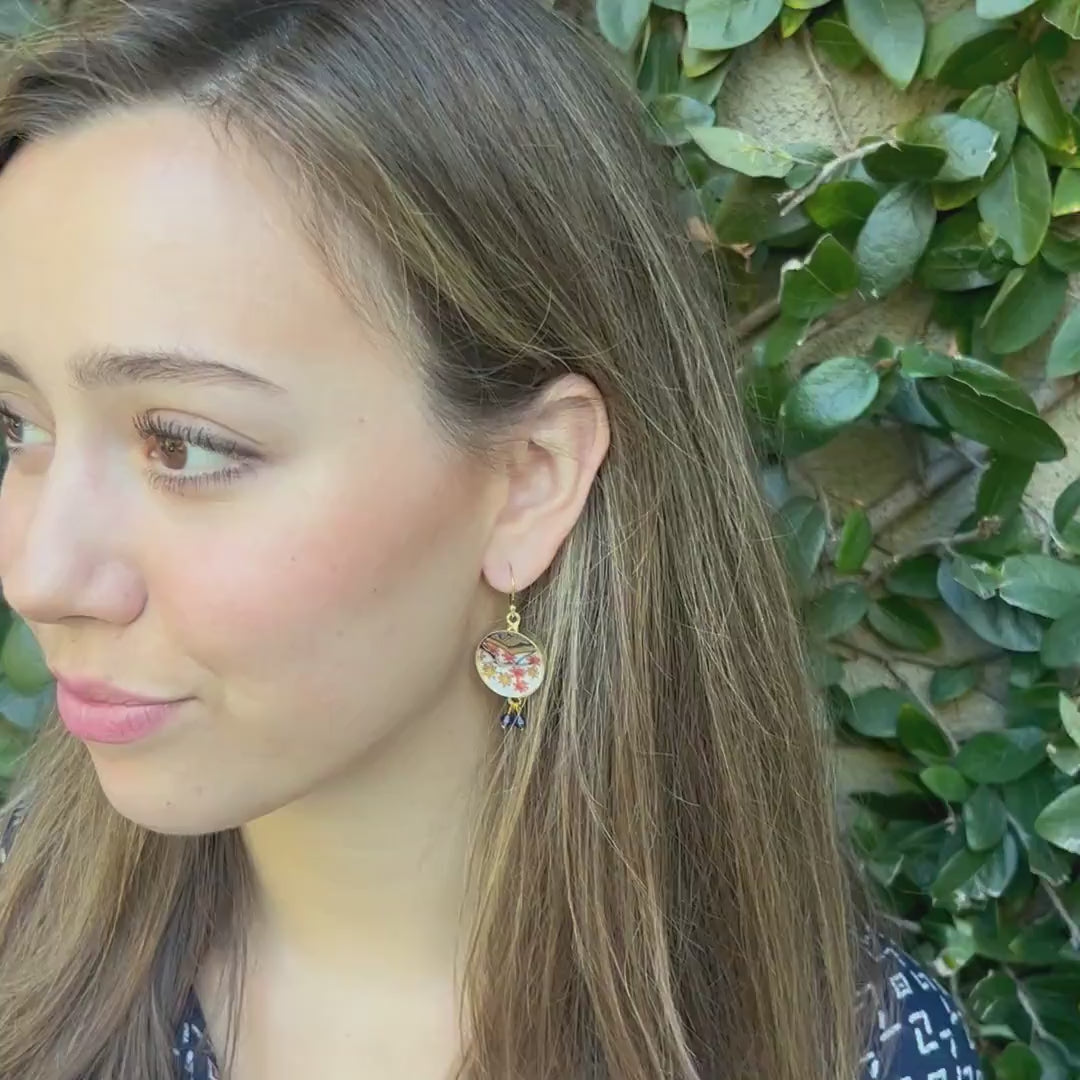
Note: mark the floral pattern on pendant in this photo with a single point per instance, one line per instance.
(510, 664)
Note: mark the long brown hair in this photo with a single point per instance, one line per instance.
(659, 878)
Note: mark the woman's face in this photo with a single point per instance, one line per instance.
(314, 580)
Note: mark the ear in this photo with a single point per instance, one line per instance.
(555, 454)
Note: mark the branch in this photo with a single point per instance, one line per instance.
(946, 469)
(1070, 922)
(794, 198)
(826, 85)
(986, 528)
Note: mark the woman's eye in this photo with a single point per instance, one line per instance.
(187, 457)
(182, 457)
(18, 432)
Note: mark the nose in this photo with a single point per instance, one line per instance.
(63, 545)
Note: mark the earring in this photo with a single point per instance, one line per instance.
(511, 664)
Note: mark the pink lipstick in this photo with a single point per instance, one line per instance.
(99, 712)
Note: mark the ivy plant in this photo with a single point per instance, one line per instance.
(974, 205)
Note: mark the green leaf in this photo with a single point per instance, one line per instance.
(830, 395)
(900, 622)
(834, 38)
(985, 819)
(1060, 821)
(892, 32)
(952, 884)
(991, 619)
(915, 577)
(802, 535)
(998, 9)
(994, 106)
(1066, 193)
(1041, 109)
(1061, 643)
(990, 421)
(810, 287)
(1065, 15)
(989, 57)
(841, 204)
(856, 539)
(900, 160)
(1070, 717)
(919, 362)
(791, 19)
(1061, 251)
(1025, 799)
(994, 875)
(809, 158)
(894, 238)
(1002, 486)
(837, 610)
(1026, 305)
(1016, 204)
(697, 63)
(946, 783)
(21, 660)
(969, 144)
(724, 24)
(921, 737)
(1066, 505)
(951, 683)
(1040, 584)
(675, 114)
(1017, 1062)
(997, 757)
(957, 258)
(1065, 757)
(1064, 356)
(993, 382)
(875, 713)
(18, 17)
(621, 21)
(736, 150)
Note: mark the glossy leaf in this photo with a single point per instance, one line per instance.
(969, 144)
(985, 819)
(1061, 642)
(810, 287)
(736, 150)
(958, 257)
(1040, 584)
(830, 395)
(621, 21)
(1041, 108)
(834, 38)
(724, 24)
(1059, 823)
(946, 783)
(1016, 204)
(921, 736)
(996, 757)
(1064, 356)
(837, 610)
(1066, 198)
(894, 238)
(1027, 304)
(951, 683)
(892, 32)
(903, 624)
(1002, 486)
(991, 619)
(1064, 14)
(802, 536)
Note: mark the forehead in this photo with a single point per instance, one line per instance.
(140, 227)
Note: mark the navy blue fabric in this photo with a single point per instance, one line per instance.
(926, 1040)
(923, 1038)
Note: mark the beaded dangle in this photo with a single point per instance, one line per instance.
(510, 664)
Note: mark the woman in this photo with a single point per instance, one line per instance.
(430, 700)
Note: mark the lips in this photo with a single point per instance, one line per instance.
(96, 692)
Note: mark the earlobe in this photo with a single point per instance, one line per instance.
(566, 439)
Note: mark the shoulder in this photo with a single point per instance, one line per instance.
(919, 1032)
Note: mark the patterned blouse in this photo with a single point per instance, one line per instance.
(927, 1041)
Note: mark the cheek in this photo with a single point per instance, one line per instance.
(312, 581)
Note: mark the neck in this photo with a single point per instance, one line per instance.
(365, 876)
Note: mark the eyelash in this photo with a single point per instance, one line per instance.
(152, 427)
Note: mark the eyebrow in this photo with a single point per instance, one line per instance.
(113, 368)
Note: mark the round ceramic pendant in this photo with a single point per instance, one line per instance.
(510, 664)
